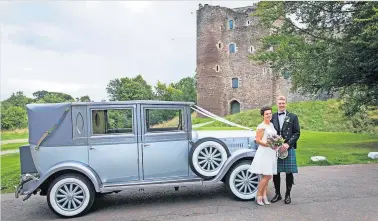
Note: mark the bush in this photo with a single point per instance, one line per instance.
(13, 117)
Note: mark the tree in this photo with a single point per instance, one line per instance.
(129, 89)
(55, 97)
(13, 117)
(165, 92)
(17, 99)
(85, 98)
(324, 47)
(184, 90)
(188, 87)
(40, 94)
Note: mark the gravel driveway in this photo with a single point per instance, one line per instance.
(320, 193)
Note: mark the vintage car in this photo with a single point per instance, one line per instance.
(78, 151)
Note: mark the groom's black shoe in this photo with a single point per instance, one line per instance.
(276, 198)
(287, 199)
(277, 182)
(289, 184)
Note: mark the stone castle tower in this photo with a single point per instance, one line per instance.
(227, 80)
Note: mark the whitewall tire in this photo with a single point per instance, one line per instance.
(70, 195)
(207, 157)
(241, 183)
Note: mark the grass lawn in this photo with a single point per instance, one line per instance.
(13, 135)
(338, 148)
(313, 116)
(11, 146)
(10, 172)
(217, 128)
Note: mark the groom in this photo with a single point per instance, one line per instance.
(287, 126)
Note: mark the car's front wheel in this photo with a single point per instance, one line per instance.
(70, 195)
(241, 183)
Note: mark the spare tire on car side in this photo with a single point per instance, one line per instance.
(207, 156)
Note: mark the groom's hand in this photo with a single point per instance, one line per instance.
(285, 146)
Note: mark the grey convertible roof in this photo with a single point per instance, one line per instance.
(43, 116)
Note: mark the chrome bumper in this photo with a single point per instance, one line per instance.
(27, 183)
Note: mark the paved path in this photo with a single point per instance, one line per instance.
(12, 141)
(321, 193)
(9, 151)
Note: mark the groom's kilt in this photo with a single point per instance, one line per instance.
(289, 164)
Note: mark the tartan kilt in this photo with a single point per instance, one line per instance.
(289, 164)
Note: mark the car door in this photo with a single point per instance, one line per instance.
(165, 144)
(113, 146)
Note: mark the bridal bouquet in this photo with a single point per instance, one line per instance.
(275, 141)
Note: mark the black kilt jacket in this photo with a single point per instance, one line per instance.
(290, 129)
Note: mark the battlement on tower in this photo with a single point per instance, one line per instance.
(241, 10)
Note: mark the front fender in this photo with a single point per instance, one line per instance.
(236, 155)
(67, 165)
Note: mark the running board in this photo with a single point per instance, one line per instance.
(161, 183)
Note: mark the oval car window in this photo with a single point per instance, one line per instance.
(97, 120)
(79, 123)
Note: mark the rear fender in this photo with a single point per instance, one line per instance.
(67, 165)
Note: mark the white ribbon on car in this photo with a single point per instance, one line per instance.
(217, 118)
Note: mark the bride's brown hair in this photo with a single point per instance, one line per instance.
(262, 111)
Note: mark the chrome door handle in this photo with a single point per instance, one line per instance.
(146, 145)
(91, 148)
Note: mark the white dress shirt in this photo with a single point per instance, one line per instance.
(281, 118)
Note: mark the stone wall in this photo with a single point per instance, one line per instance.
(216, 66)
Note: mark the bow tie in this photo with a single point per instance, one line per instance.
(279, 114)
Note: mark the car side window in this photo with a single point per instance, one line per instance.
(112, 121)
(163, 120)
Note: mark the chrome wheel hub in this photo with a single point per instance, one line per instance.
(246, 182)
(209, 158)
(70, 196)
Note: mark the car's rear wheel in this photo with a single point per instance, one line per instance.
(207, 156)
(70, 195)
(241, 183)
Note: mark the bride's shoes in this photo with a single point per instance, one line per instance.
(259, 201)
(262, 200)
(265, 200)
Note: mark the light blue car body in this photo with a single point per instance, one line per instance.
(139, 158)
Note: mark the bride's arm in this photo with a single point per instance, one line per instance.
(259, 135)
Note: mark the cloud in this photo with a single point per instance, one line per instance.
(77, 47)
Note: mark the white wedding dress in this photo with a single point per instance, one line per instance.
(265, 160)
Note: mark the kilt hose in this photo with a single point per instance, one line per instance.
(289, 164)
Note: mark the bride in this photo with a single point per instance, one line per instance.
(265, 160)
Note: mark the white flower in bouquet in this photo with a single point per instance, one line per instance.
(275, 142)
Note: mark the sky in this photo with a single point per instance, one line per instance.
(77, 47)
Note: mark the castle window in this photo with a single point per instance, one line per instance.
(251, 49)
(217, 68)
(232, 48)
(248, 22)
(235, 82)
(219, 45)
(231, 24)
